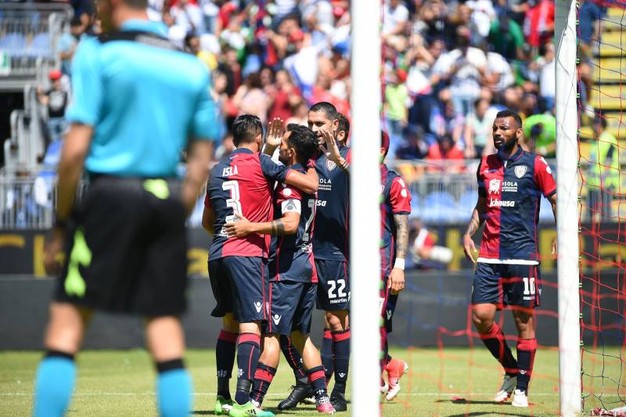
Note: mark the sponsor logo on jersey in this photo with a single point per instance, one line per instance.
(501, 203)
(330, 165)
(389, 314)
(509, 186)
(520, 170)
(258, 306)
(276, 319)
(494, 186)
(341, 374)
(321, 203)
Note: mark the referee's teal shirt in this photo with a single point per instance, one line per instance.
(143, 101)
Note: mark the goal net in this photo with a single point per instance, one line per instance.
(602, 139)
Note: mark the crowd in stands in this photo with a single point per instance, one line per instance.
(448, 66)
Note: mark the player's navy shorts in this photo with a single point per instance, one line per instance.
(240, 286)
(388, 302)
(333, 289)
(291, 307)
(506, 284)
(127, 248)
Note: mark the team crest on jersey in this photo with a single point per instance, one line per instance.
(494, 186)
(330, 165)
(520, 170)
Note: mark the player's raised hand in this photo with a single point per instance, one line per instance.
(329, 146)
(239, 227)
(275, 130)
(469, 248)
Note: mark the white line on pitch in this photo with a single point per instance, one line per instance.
(273, 395)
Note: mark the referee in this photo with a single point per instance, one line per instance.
(138, 104)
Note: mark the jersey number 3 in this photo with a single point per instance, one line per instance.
(233, 188)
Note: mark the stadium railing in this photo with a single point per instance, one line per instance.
(27, 199)
(28, 37)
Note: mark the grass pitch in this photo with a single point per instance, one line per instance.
(451, 382)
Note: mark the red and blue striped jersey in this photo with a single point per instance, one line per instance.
(512, 189)
(242, 183)
(396, 199)
(330, 241)
(291, 256)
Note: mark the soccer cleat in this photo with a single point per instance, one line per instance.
(508, 385)
(248, 409)
(324, 406)
(222, 405)
(339, 402)
(297, 395)
(395, 369)
(384, 387)
(519, 399)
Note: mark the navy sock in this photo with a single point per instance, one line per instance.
(341, 348)
(225, 359)
(294, 359)
(54, 384)
(262, 380)
(526, 349)
(174, 389)
(318, 381)
(327, 354)
(248, 352)
(496, 343)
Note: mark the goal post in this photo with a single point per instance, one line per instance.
(567, 209)
(365, 208)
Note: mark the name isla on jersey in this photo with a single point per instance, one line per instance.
(228, 171)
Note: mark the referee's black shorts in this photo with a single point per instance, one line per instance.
(127, 248)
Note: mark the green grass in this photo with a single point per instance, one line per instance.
(451, 382)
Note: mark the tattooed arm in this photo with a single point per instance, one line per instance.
(396, 279)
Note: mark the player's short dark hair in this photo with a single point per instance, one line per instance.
(246, 128)
(599, 118)
(303, 140)
(330, 110)
(510, 113)
(344, 124)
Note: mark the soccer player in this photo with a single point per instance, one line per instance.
(138, 103)
(510, 185)
(242, 185)
(395, 208)
(331, 251)
(293, 278)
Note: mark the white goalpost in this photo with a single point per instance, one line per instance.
(364, 208)
(567, 210)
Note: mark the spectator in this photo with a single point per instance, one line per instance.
(283, 95)
(506, 37)
(539, 22)
(540, 135)
(55, 99)
(478, 129)
(67, 44)
(251, 99)
(188, 16)
(396, 110)
(425, 253)
(395, 24)
(445, 156)
(547, 78)
(465, 68)
(603, 176)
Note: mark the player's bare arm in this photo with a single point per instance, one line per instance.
(198, 160)
(242, 227)
(71, 166)
(275, 131)
(396, 279)
(208, 219)
(474, 224)
(308, 182)
(553, 204)
(330, 148)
